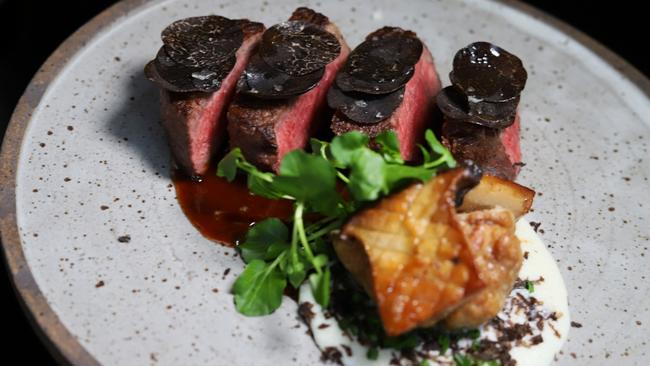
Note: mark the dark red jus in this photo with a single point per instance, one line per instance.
(223, 211)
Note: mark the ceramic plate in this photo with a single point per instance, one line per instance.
(114, 274)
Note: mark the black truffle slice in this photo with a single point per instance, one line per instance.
(455, 105)
(486, 72)
(298, 48)
(265, 82)
(176, 77)
(381, 65)
(364, 108)
(202, 41)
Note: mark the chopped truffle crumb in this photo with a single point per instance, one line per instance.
(305, 311)
(332, 354)
(347, 350)
(535, 225)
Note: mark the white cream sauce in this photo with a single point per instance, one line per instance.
(551, 292)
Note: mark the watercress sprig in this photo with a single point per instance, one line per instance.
(275, 255)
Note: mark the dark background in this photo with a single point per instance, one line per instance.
(30, 30)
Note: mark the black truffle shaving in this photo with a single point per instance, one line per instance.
(486, 72)
(298, 48)
(455, 105)
(164, 71)
(364, 108)
(265, 82)
(202, 41)
(382, 64)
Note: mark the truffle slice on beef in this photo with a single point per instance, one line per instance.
(388, 83)
(282, 94)
(197, 70)
(481, 122)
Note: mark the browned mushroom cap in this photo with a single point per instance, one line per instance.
(382, 64)
(486, 72)
(365, 108)
(298, 48)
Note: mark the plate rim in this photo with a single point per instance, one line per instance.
(61, 344)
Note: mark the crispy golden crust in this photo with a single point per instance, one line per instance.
(419, 264)
(422, 261)
(497, 257)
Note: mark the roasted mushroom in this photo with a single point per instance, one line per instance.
(422, 261)
(498, 192)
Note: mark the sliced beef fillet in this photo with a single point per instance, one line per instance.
(481, 122)
(388, 83)
(280, 96)
(496, 151)
(197, 70)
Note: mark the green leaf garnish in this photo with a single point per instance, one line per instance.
(467, 360)
(227, 167)
(276, 255)
(258, 289)
(444, 156)
(402, 342)
(265, 240)
(320, 286)
(344, 147)
(443, 342)
(473, 334)
(530, 286)
(296, 271)
(309, 179)
(372, 354)
(389, 147)
(368, 177)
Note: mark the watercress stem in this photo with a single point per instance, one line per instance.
(342, 177)
(275, 262)
(323, 231)
(319, 224)
(294, 242)
(435, 163)
(299, 224)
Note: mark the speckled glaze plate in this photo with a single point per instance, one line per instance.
(113, 273)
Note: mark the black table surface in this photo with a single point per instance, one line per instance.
(32, 29)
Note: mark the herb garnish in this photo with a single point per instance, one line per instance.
(468, 360)
(530, 286)
(276, 254)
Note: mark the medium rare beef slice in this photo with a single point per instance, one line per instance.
(282, 92)
(388, 83)
(481, 122)
(496, 151)
(197, 69)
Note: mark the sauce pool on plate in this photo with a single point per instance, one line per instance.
(223, 211)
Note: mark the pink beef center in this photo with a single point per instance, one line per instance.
(296, 125)
(207, 130)
(411, 118)
(510, 141)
